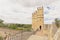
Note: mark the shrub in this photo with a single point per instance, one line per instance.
(19, 28)
(12, 26)
(1, 38)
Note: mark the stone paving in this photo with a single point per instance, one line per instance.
(39, 35)
(36, 37)
(42, 33)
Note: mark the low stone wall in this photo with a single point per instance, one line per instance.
(23, 35)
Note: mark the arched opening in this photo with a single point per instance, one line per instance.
(40, 27)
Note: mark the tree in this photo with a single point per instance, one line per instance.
(57, 22)
(1, 21)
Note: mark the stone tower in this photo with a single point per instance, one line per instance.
(38, 19)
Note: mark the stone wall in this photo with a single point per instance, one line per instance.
(23, 35)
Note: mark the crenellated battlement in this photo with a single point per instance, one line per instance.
(38, 19)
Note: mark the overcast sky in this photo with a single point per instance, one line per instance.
(20, 11)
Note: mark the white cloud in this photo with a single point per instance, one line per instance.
(12, 12)
(20, 11)
(34, 3)
(55, 13)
